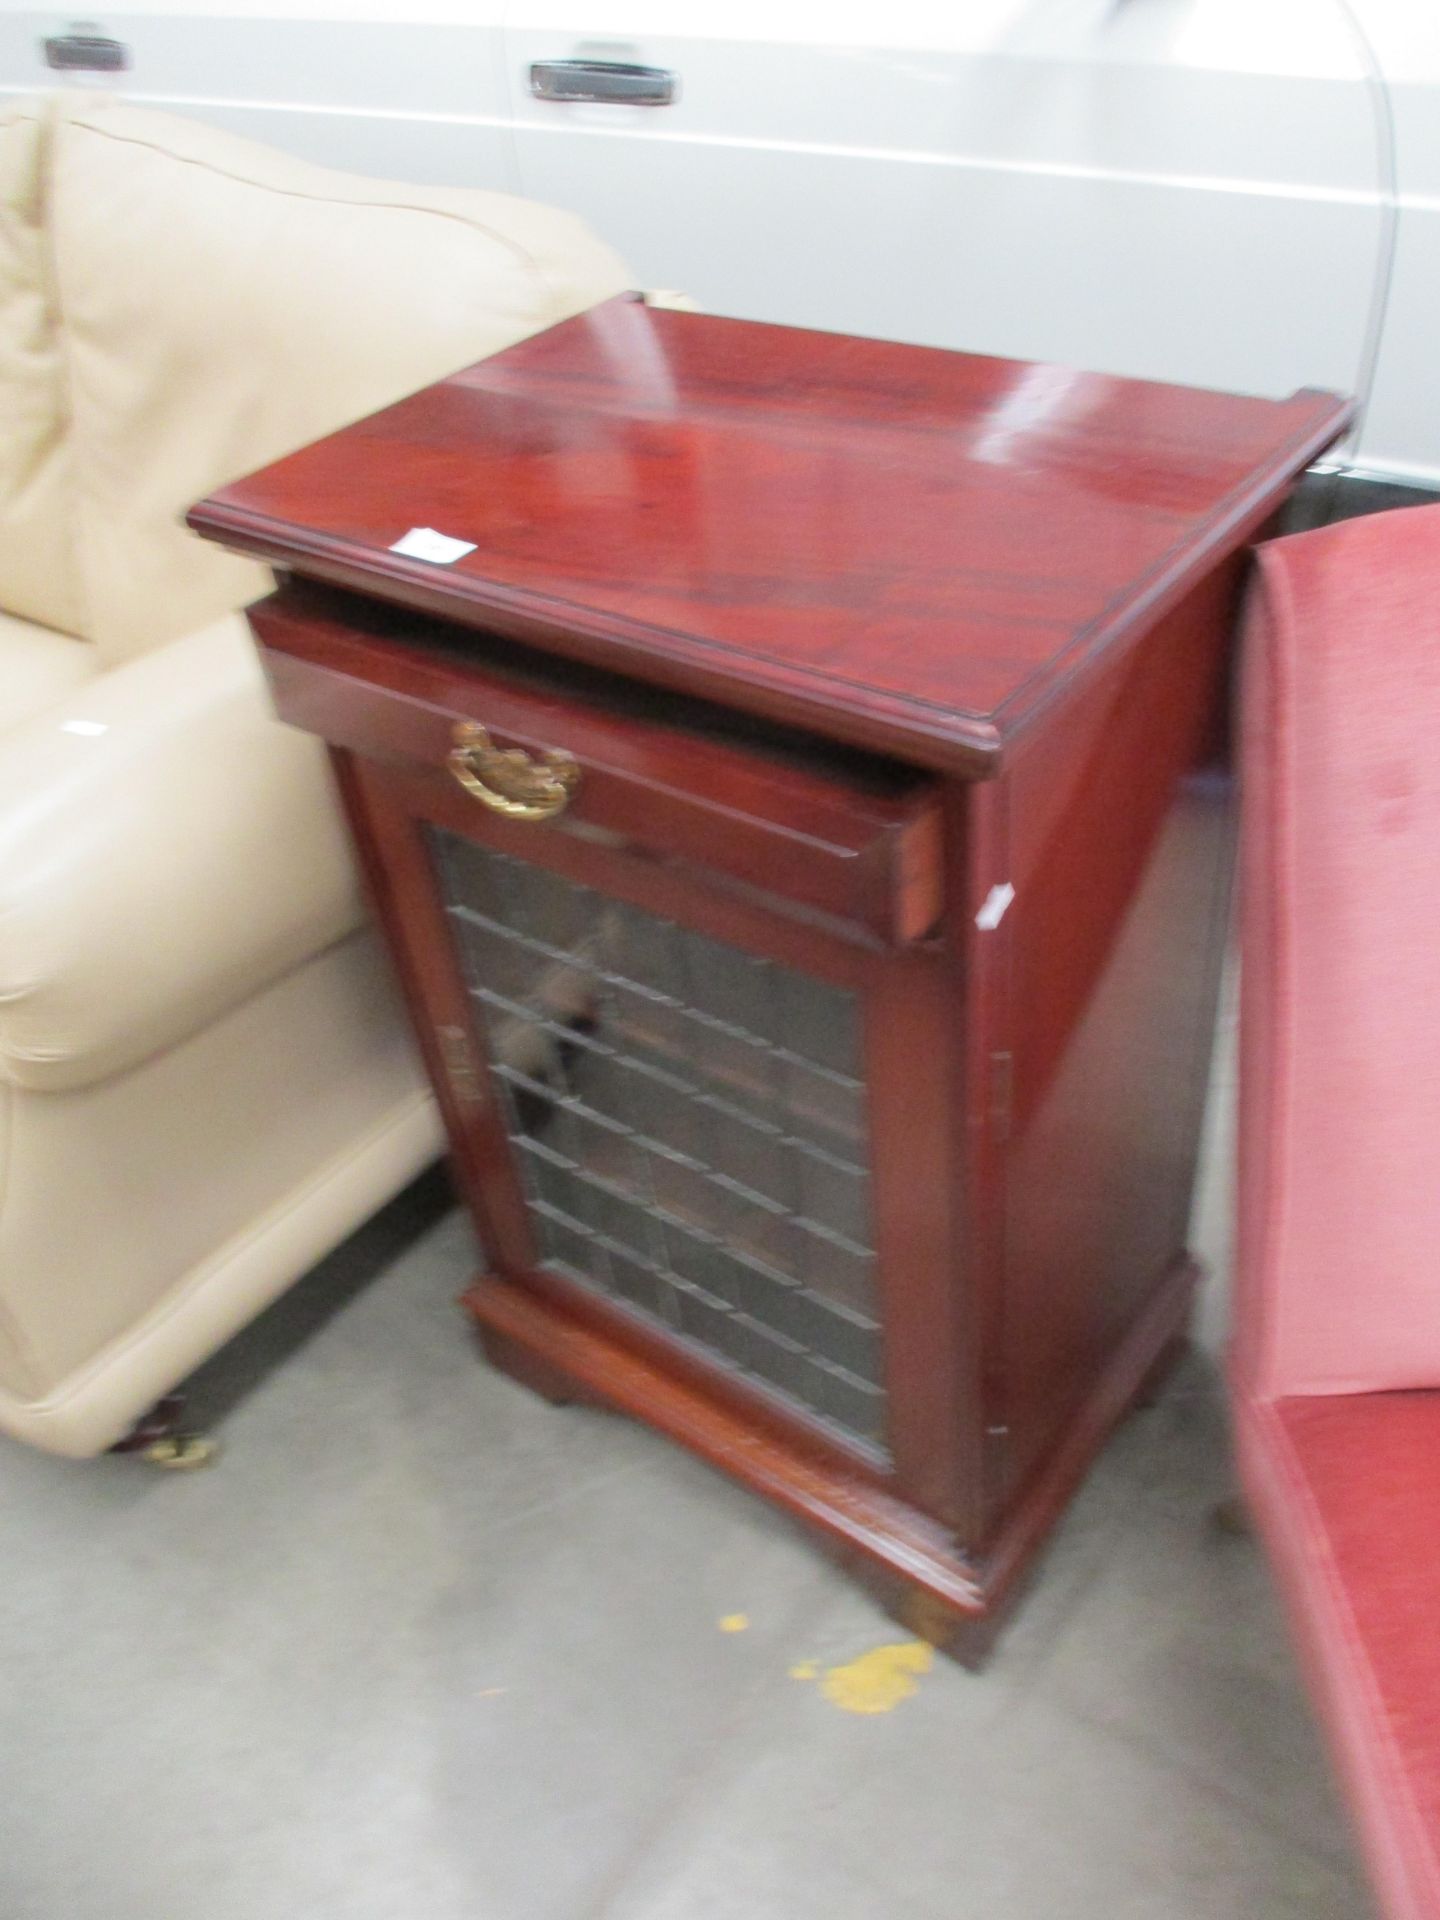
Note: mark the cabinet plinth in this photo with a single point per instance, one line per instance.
(801, 827)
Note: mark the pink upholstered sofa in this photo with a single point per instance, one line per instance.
(1336, 1362)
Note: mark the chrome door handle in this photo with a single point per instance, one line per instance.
(81, 52)
(610, 83)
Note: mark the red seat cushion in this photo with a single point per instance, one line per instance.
(1346, 1488)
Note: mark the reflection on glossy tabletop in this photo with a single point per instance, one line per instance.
(904, 544)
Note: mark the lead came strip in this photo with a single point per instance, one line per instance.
(689, 1124)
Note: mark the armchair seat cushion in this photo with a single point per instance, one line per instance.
(1346, 1488)
(37, 667)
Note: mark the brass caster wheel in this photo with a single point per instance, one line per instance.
(180, 1452)
(158, 1437)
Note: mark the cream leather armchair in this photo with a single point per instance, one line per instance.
(205, 1081)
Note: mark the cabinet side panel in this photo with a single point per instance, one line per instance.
(1120, 840)
(914, 1035)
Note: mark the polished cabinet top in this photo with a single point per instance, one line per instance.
(902, 547)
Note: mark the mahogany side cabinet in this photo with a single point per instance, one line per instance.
(800, 819)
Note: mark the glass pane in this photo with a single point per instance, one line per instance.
(690, 1124)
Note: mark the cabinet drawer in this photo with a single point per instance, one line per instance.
(812, 827)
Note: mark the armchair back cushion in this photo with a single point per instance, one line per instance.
(39, 580)
(221, 304)
(1340, 1183)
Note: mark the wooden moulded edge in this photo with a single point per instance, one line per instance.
(937, 1592)
(953, 740)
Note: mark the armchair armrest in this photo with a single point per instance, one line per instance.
(167, 849)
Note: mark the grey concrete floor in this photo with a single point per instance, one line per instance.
(422, 1647)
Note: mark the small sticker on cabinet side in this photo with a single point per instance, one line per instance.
(993, 911)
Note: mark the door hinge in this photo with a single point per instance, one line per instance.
(462, 1069)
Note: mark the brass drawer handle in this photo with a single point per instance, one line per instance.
(508, 780)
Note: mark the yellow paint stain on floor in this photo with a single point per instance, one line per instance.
(734, 1622)
(804, 1670)
(877, 1680)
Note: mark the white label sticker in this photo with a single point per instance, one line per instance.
(424, 543)
(993, 911)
